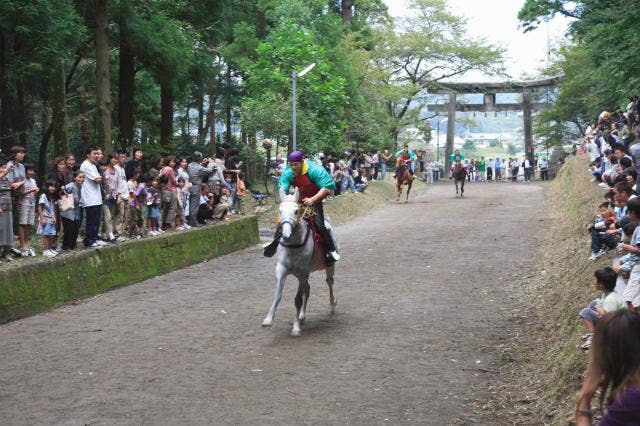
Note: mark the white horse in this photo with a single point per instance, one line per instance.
(296, 256)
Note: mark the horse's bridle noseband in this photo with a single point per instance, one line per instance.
(306, 213)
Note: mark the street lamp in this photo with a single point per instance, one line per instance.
(294, 78)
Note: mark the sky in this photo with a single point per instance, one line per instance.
(497, 22)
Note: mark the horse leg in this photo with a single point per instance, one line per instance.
(456, 183)
(303, 282)
(399, 190)
(281, 275)
(306, 291)
(408, 190)
(462, 189)
(332, 300)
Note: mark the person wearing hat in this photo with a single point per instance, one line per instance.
(314, 184)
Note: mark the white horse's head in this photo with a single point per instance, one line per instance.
(289, 209)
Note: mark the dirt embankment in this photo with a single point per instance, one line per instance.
(543, 364)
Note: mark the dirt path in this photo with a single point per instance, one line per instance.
(422, 305)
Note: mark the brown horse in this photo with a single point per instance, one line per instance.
(403, 177)
(459, 175)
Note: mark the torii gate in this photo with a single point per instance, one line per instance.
(526, 88)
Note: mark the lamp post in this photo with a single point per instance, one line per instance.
(294, 81)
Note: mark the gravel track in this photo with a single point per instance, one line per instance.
(423, 301)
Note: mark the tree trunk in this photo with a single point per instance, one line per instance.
(166, 115)
(84, 120)
(228, 104)
(59, 111)
(126, 78)
(202, 132)
(104, 103)
(44, 143)
(210, 125)
(347, 11)
(5, 132)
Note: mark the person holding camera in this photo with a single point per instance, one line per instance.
(198, 170)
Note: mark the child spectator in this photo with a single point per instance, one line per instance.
(153, 207)
(241, 193)
(230, 184)
(27, 210)
(137, 203)
(183, 203)
(605, 281)
(72, 218)
(47, 218)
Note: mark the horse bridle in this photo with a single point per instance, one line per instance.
(306, 213)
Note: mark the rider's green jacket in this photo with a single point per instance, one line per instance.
(316, 174)
(412, 156)
(453, 157)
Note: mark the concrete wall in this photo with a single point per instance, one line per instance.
(26, 290)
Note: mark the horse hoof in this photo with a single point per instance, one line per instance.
(295, 333)
(301, 319)
(267, 322)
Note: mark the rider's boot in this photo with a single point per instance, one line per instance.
(270, 249)
(330, 249)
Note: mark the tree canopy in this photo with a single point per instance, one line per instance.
(175, 76)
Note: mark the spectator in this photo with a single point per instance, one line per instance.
(91, 197)
(153, 205)
(384, 162)
(198, 171)
(135, 163)
(183, 203)
(137, 203)
(614, 369)
(27, 210)
(72, 219)
(241, 193)
(155, 165)
(360, 181)
(169, 205)
(110, 188)
(58, 171)
(122, 207)
(544, 169)
(610, 301)
(6, 215)
(47, 205)
(69, 172)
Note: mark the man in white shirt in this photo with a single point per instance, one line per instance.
(91, 197)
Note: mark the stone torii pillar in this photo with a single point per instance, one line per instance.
(451, 129)
(528, 132)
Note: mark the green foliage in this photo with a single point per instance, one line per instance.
(599, 65)
(321, 93)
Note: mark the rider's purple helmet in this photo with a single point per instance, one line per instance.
(295, 157)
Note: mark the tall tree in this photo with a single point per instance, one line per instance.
(126, 77)
(431, 46)
(104, 103)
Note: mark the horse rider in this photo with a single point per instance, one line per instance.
(408, 157)
(456, 158)
(314, 184)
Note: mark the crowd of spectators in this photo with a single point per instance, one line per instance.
(611, 321)
(115, 197)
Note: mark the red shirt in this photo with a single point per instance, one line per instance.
(307, 188)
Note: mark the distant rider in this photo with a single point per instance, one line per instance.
(456, 157)
(314, 184)
(407, 157)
